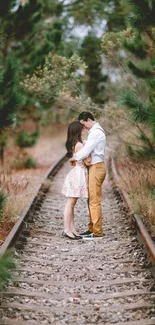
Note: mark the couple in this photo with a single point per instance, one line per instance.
(83, 181)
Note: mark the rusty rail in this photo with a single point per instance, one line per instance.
(142, 232)
(10, 239)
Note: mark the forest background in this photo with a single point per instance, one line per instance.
(60, 57)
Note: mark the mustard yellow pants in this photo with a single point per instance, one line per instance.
(97, 175)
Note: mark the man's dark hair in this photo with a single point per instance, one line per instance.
(85, 115)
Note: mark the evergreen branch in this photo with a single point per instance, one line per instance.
(130, 143)
(142, 14)
(141, 73)
(150, 34)
(146, 137)
(137, 46)
(141, 131)
(140, 112)
(152, 121)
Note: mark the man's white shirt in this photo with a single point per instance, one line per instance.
(95, 145)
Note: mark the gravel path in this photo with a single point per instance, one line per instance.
(97, 281)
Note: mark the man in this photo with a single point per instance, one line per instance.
(95, 145)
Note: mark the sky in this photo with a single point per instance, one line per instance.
(82, 31)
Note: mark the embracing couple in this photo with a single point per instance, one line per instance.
(84, 181)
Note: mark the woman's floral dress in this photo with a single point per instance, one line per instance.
(76, 182)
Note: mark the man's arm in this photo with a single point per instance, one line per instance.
(87, 149)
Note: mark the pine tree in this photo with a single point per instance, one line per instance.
(36, 33)
(95, 80)
(140, 42)
(10, 97)
(6, 24)
(115, 16)
(10, 92)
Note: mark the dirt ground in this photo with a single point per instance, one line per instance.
(48, 150)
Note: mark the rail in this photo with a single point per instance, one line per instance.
(136, 220)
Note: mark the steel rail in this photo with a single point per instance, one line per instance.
(135, 219)
(10, 239)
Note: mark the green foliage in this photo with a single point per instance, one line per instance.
(39, 27)
(2, 203)
(58, 75)
(141, 14)
(139, 111)
(47, 38)
(86, 11)
(26, 139)
(6, 6)
(116, 13)
(141, 70)
(144, 151)
(30, 163)
(138, 45)
(11, 97)
(6, 265)
(111, 43)
(2, 200)
(141, 154)
(37, 33)
(10, 91)
(24, 161)
(95, 79)
(6, 28)
(26, 17)
(3, 141)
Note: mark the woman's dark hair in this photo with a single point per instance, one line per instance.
(85, 115)
(73, 136)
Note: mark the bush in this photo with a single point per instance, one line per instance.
(24, 161)
(30, 163)
(6, 264)
(26, 139)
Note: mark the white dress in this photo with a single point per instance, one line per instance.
(76, 182)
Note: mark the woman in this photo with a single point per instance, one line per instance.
(76, 182)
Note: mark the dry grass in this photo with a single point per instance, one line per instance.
(12, 186)
(14, 207)
(21, 185)
(14, 204)
(138, 180)
(18, 191)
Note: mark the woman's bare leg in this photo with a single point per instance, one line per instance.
(72, 226)
(69, 215)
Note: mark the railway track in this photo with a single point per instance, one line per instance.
(59, 281)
